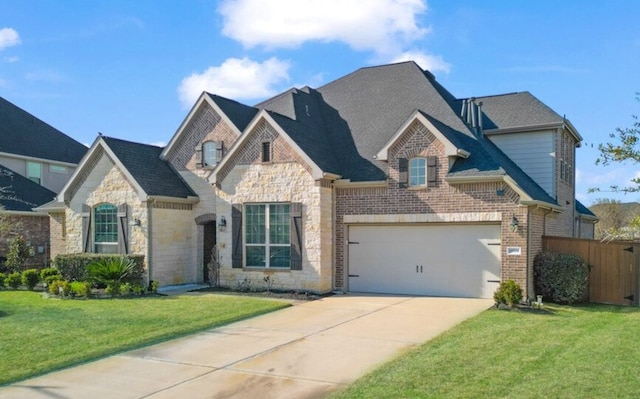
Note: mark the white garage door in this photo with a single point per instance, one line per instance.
(439, 260)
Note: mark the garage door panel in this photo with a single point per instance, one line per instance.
(442, 260)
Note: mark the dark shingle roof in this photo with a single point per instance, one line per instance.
(583, 210)
(155, 176)
(516, 110)
(23, 134)
(342, 125)
(239, 114)
(17, 193)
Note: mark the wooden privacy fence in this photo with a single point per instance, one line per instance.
(613, 265)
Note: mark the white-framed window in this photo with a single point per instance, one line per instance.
(417, 172)
(58, 169)
(105, 231)
(268, 235)
(209, 153)
(34, 172)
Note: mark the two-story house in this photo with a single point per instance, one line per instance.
(36, 160)
(381, 181)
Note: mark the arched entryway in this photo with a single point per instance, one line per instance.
(208, 223)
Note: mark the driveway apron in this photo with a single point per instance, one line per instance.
(304, 351)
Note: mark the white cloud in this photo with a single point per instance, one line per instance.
(236, 79)
(8, 37)
(382, 26)
(426, 61)
(159, 143)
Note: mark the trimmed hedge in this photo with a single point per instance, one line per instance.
(73, 267)
(561, 278)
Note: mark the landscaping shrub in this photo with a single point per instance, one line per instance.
(2, 278)
(19, 253)
(14, 280)
(49, 275)
(561, 278)
(54, 287)
(114, 272)
(30, 278)
(73, 267)
(508, 293)
(80, 288)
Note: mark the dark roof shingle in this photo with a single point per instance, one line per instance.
(17, 193)
(155, 176)
(23, 134)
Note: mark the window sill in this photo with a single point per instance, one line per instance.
(265, 269)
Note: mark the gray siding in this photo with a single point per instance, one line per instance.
(534, 153)
(54, 181)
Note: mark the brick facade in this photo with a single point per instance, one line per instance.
(444, 198)
(35, 229)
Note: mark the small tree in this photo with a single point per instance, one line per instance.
(625, 146)
(19, 254)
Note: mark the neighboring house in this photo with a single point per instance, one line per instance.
(381, 181)
(36, 160)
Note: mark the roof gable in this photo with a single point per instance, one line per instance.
(269, 118)
(23, 134)
(235, 114)
(140, 164)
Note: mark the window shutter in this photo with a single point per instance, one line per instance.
(86, 228)
(431, 171)
(123, 247)
(295, 213)
(236, 231)
(199, 156)
(219, 147)
(403, 172)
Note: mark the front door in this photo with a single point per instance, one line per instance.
(209, 244)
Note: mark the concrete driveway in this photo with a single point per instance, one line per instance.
(305, 351)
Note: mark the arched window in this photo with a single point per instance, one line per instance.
(209, 153)
(106, 228)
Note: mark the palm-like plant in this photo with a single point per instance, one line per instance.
(112, 272)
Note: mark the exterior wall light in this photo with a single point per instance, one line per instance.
(222, 223)
(513, 226)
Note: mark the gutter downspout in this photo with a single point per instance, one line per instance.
(149, 241)
(530, 288)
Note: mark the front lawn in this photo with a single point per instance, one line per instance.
(574, 352)
(39, 335)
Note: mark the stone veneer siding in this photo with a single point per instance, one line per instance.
(461, 199)
(285, 179)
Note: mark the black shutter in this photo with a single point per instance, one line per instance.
(431, 171)
(123, 246)
(219, 147)
(296, 236)
(236, 231)
(403, 172)
(199, 156)
(86, 228)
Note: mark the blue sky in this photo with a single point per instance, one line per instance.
(132, 69)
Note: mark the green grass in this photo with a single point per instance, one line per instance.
(38, 335)
(574, 352)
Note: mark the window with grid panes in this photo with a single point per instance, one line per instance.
(267, 235)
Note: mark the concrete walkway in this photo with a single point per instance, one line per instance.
(305, 351)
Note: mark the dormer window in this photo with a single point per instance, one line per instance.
(417, 172)
(209, 154)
